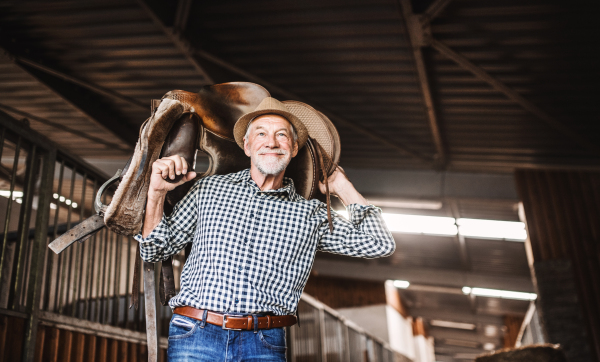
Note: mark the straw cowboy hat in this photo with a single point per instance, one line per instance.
(307, 122)
(269, 105)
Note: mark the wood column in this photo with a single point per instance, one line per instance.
(562, 212)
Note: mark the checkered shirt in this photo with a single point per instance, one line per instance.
(253, 250)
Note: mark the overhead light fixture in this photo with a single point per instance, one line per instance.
(401, 284)
(496, 293)
(63, 200)
(455, 325)
(448, 226)
(510, 230)
(490, 331)
(15, 194)
(418, 224)
(489, 346)
(407, 204)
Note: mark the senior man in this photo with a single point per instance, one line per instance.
(254, 241)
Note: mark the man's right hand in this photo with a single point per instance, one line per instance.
(167, 168)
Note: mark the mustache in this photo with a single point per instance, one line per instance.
(278, 151)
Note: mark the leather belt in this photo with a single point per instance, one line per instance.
(237, 322)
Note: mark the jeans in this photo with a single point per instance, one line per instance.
(189, 341)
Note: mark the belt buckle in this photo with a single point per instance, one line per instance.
(225, 322)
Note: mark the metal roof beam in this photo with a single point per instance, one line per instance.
(109, 93)
(175, 34)
(191, 53)
(87, 102)
(515, 96)
(64, 128)
(459, 238)
(417, 39)
(182, 14)
(434, 10)
(444, 277)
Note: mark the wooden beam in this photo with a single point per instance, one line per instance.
(515, 96)
(459, 238)
(176, 38)
(434, 10)
(417, 39)
(109, 93)
(182, 14)
(191, 53)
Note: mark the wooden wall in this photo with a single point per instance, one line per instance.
(345, 293)
(55, 344)
(562, 211)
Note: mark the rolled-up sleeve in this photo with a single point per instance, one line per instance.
(364, 235)
(174, 231)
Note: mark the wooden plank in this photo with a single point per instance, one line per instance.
(102, 349)
(51, 352)
(90, 349)
(13, 350)
(143, 352)
(114, 350)
(3, 329)
(122, 350)
(65, 347)
(79, 347)
(133, 352)
(39, 344)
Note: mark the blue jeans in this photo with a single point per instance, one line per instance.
(188, 341)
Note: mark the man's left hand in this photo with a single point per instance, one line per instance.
(340, 186)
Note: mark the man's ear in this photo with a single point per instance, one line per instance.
(295, 151)
(247, 147)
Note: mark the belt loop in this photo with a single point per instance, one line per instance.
(268, 321)
(255, 321)
(204, 317)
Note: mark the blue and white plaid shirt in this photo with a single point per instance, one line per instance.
(253, 250)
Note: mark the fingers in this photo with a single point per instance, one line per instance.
(171, 166)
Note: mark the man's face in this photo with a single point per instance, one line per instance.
(270, 144)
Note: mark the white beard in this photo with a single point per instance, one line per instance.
(272, 166)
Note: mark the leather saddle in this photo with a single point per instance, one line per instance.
(206, 124)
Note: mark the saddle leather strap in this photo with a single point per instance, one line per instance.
(135, 289)
(325, 180)
(166, 289)
(237, 322)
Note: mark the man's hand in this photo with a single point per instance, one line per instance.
(340, 186)
(167, 168)
(163, 169)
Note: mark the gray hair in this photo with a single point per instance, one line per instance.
(294, 134)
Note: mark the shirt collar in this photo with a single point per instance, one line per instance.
(288, 184)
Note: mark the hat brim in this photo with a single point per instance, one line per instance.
(241, 126)
(319, 128)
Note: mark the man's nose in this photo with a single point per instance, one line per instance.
(273, 143)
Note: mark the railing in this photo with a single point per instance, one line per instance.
(531, 329)
(79, 301)
(326, 336)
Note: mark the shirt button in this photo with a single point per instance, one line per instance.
(240, 268)
(236, 300)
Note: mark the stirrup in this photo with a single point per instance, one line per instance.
(98, 205)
